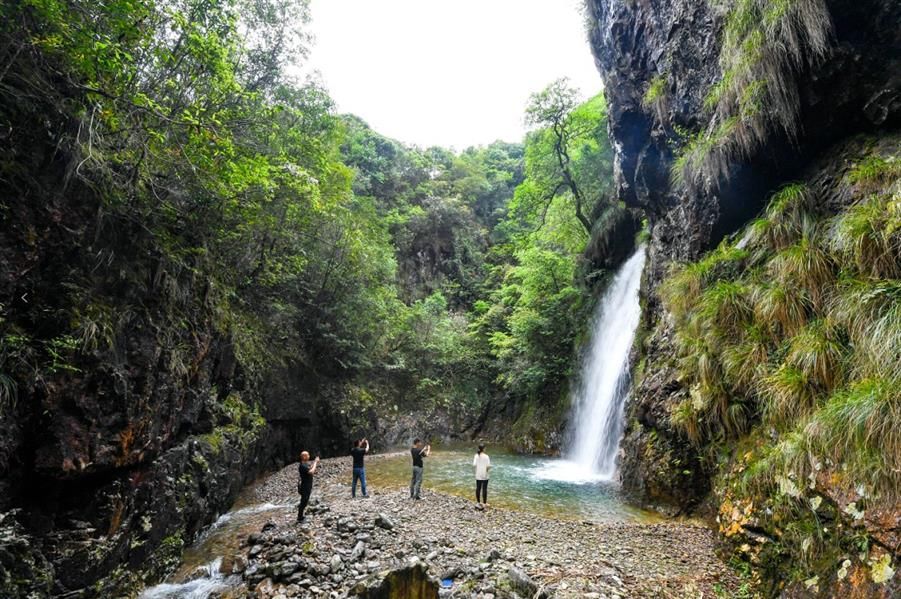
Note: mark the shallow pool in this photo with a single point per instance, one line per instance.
(546, 486)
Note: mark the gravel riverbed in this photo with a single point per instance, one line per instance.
(348, 545)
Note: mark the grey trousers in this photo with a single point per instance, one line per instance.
(416, 482)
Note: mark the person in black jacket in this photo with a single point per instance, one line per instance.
(359, 451)
(305, 470)
(418, 452)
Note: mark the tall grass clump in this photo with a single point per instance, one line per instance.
(858, 430)
(787, 395)
(819, 353)
(870, 312)
(788, 341)
(804, 263)
(745, 362)
(765, 43)
(683, 287)
(780, 308)
(868, 235)
(791, 213)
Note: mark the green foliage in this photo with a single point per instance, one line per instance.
(798, 328)
(568, 156)
(684, 285)
(218, 202)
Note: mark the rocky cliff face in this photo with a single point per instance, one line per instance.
(713, 107)
(660, 60)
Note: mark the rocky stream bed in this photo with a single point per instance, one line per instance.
(350, 546)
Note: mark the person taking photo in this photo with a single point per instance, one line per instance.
(358, 452)
(418, 452)
(305, 471)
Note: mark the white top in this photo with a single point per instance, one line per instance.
(482, 463)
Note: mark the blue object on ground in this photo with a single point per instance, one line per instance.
(447, 583)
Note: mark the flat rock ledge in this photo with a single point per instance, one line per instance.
(444, 546)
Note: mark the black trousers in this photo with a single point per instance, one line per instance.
(482, 491)
(304, 500)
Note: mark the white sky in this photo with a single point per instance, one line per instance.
(453, 73)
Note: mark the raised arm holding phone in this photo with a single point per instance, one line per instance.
(358, 452)
(418, 451)
(305, 470)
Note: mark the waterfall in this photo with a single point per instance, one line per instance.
(599, 400)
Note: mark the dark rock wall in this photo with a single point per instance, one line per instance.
(855, 88)
(133, 424)
(635, 41)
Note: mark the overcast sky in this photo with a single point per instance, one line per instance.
(451, 73)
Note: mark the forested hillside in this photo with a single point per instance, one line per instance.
(205, 267)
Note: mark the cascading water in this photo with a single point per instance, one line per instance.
(599, 401)
(604, 386)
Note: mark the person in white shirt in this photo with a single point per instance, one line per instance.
(482, 464)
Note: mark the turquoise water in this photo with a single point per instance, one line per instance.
(546, 486)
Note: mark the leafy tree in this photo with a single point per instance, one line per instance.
(569, 152)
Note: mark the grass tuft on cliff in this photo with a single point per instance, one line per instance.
(764, 45)
(788, 340)
(796, 330)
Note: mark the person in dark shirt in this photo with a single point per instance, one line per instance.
(418, 452)
(359, 451)
(305, 470)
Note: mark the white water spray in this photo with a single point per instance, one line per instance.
(200, 588)
(600, 399)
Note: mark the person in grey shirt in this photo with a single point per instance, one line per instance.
(418, 452)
